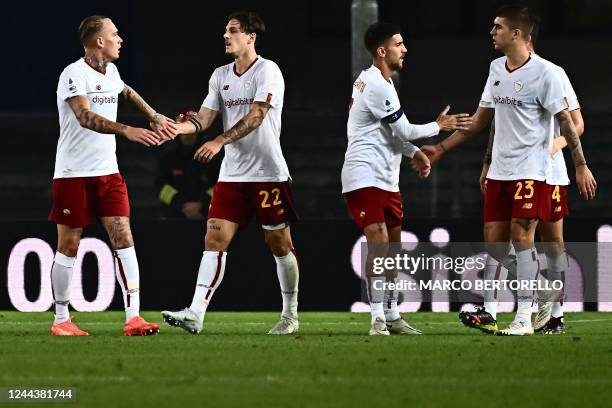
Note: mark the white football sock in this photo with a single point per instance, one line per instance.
(210, 275)
(391, 311)
(527, 267)
(288, 273)
(557, 310)
(376, 294)
(492, 272)
(377, 311)
(558, 266)
(390, 300)
(61, 275)
(128, 276)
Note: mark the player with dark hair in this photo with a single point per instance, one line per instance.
(87, 183)
(554, 208)
(526, 95)
(254, 177)
(378, 135)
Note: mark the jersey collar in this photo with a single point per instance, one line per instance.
(245, 71)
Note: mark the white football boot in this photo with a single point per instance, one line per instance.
(546, 301)
(518, 327)
(543, 316)
(379, 328)
(400, 326)
(185, 319)
(286, 325)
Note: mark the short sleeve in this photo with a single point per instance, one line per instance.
(572, 98)
(270, 85)
(486, 99)
(213, 97)
(551, 94)
(384, 103)
(71, 83)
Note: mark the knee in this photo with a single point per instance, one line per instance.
(486, 232)
(69, 246)
(215, 242)
(278, 243)
(554, 247)
(519, 237)
(123, 241)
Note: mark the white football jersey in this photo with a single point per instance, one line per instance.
(558, 171)
(257, 157)
(82, 152)
(525, 101)
(374, 154)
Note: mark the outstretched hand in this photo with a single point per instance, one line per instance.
(164, 127)
(142, 136)
(459, 121)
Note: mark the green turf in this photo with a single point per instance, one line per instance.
(331, 363)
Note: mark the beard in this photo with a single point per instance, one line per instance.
(396, 66)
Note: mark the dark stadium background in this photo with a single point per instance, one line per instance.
(169, 52)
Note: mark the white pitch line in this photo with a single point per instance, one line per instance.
(305, 379)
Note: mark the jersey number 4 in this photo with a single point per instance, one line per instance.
(556, 195)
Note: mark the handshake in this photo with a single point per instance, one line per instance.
(162, 130)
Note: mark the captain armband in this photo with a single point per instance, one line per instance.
(394, 117)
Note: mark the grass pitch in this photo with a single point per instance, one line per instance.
(330, 363)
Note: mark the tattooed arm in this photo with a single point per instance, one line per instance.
(584, 179)
(92, 121)
(162, 125)
(129, 94)
(244, 126)
(247, 124)
(559, 142)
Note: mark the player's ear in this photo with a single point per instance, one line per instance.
(381, 51)
(99, 42)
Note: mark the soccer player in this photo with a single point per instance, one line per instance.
(526, 94)
(378, 135)
(87, 183)
(254, 177)
(549, 319)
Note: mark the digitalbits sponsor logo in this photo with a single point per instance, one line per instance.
(101, 100)
(507, 101)
(237, 102)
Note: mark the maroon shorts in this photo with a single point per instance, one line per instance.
(77, 201)
(553, 206)
(505, 200)
(372, 205)
(272, 202)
